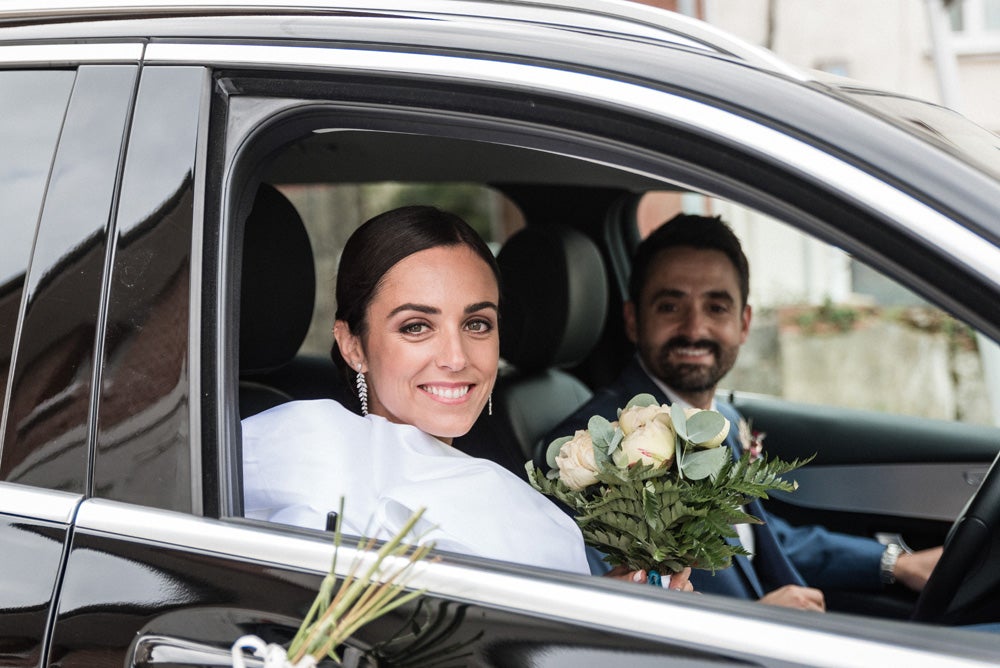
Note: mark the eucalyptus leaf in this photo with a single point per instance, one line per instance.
(679, 419)
(703, 426)
(601, 457)
(704, 463)
(616, 440)
(553, 450)
(601, 431)
(641, 400)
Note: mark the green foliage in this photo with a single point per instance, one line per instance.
(646, 517)
(838, 317)
(700, 464)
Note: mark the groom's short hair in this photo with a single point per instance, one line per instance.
(701, 232)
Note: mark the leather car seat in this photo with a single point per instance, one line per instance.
(553, 304)
(276, 300)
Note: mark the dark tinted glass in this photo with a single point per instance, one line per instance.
(144, 450)
(32, 105)
(46, 435)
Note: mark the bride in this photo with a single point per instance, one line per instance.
(417, 328)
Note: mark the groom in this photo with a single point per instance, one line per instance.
(688, 316)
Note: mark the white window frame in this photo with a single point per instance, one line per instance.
(975, 38)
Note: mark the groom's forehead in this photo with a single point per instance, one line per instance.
(691, 270)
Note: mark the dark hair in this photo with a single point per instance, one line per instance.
(702, 232)
(381, 242)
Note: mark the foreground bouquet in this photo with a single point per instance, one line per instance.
(654, 490)
(342, 606)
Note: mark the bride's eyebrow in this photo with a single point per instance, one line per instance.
(472, 308)
(421, 308)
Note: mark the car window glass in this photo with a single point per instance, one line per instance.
(32, 105)
(48, 418)
(828, 329)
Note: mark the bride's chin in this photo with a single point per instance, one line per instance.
(452, 428)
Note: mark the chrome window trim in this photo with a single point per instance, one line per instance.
(70, 54)
(37, 503)
(958, 242)
(557, 596)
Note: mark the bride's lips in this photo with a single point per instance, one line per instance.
(448, 393)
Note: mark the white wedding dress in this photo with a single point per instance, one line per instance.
(301, 457)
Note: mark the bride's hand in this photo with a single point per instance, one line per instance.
(678, 581)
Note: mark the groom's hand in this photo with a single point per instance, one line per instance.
(794, 596)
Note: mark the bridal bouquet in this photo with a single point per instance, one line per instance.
(654, 490)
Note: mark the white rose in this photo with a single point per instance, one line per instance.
(637, 416)
(650, 443)
(576, 463)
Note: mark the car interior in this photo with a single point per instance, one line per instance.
(568, 226)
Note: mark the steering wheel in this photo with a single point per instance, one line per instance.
(964, 586)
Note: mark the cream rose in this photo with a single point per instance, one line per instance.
(648, 443)
(576, 463)
(638, 416)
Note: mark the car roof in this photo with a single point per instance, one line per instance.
(621, 18)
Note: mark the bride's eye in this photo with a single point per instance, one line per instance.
(480, 325)
(413, 328)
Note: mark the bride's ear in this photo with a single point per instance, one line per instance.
(349, 345)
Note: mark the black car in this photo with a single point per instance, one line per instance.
(175, 180)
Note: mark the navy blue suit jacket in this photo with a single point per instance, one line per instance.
(784, 554)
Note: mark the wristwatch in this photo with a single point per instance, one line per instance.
(887, 565)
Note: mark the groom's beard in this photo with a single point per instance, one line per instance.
(694, 377)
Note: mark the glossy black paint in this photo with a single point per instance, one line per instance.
(144, 435)
(33, 104)
(50, 410)
(30, 562)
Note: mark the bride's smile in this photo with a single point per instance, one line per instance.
(448, 393)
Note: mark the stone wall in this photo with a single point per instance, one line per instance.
(914, 365)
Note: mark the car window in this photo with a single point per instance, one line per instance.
(829, 329)
(32, 105)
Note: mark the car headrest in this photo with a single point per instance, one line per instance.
(279, 283)
(554, 297)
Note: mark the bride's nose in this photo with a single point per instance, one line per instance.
(451, 353)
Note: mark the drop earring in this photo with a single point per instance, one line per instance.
(362, 390)
(489, 405)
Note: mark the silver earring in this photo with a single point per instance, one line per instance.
(362, 390)
(489, 405)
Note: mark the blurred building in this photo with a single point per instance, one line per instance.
(887, 43)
